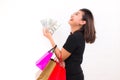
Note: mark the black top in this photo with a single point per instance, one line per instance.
(75, 44)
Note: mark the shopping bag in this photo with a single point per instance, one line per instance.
(47, 70)
(37, 74)
(43, 61)
(59, 72)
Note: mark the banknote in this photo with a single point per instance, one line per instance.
(51, 24)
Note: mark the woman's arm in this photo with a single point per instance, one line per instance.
(65, 53)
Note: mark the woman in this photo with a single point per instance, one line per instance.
(82, 30)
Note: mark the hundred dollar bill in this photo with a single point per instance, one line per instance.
(51, 24)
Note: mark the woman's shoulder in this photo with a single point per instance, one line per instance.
(78, 34)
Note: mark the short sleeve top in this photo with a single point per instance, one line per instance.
(74, 44)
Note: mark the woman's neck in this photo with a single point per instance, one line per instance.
(75, 28)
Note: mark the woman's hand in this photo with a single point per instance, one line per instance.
(65, 53)
(46, 33)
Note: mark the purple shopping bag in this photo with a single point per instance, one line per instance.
(43, 61)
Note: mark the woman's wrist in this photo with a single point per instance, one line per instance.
(55, 47)
(52, 42)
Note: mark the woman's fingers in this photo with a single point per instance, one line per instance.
(46, 33)
(43, 31)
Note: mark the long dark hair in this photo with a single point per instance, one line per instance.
(89, 28)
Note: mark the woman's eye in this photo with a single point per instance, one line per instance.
(76, 13)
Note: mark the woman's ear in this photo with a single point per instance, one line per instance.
(82, 22)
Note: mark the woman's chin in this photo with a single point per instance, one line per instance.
(69, 22)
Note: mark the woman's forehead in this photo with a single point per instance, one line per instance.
(80, 12)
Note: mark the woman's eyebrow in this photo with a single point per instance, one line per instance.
(78, 12)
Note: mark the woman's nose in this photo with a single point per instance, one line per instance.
(72, 15)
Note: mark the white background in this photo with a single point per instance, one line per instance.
(22, 42)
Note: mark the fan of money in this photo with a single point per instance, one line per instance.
(51, 24)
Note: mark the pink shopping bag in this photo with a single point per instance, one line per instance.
(43, 61)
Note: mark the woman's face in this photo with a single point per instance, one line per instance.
(76, 19)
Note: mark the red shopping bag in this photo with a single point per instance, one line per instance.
(59, 72)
